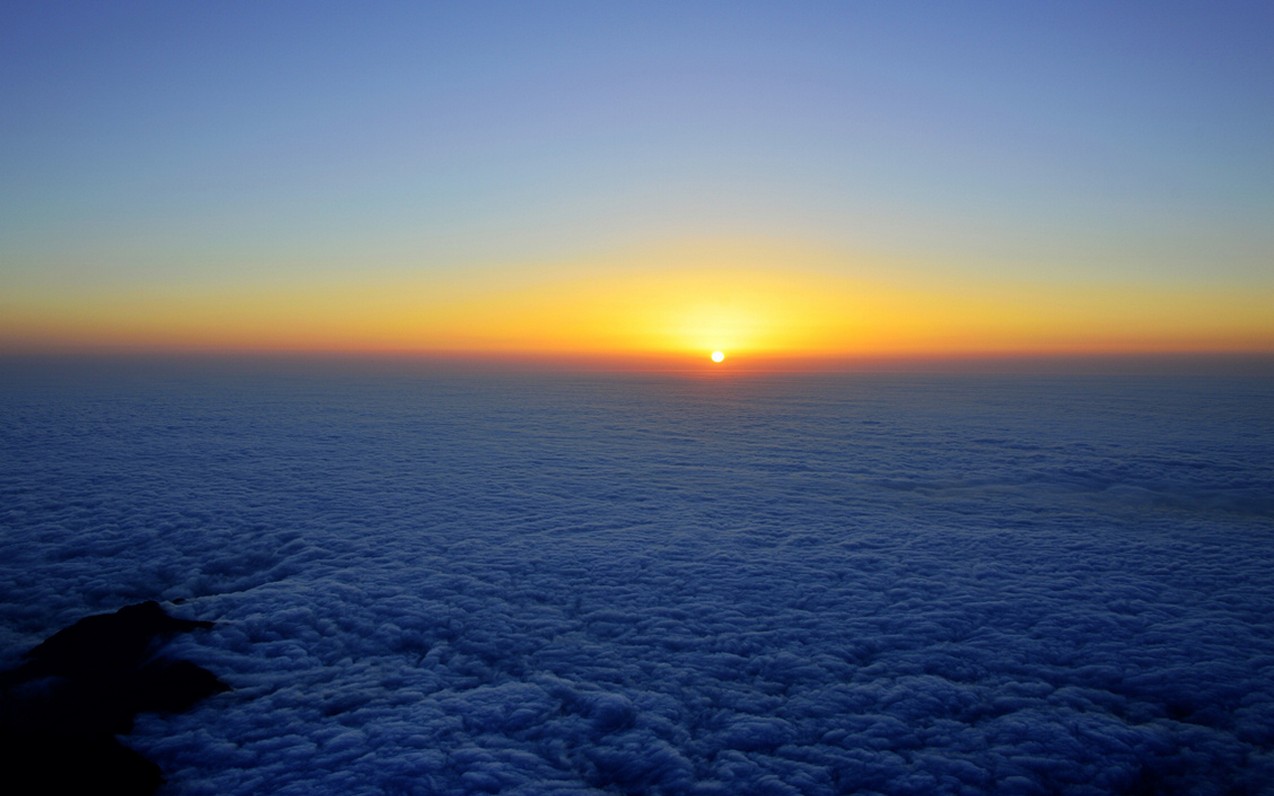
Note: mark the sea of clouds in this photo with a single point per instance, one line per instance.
(431, 581)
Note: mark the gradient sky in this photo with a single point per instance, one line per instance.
(640, 178)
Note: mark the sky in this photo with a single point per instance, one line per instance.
(638, 179)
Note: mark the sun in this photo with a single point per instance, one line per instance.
(718, 356)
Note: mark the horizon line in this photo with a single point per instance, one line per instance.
(699, 363)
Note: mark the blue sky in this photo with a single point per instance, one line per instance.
(162, 147)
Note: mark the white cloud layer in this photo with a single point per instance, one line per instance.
(439, 583)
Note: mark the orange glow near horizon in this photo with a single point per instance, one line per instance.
(759, 303)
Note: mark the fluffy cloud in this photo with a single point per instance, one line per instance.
(436, 583)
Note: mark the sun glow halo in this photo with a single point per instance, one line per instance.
(718, 356)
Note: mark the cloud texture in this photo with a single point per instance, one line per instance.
(433, 582)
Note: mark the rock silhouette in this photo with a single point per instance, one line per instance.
(61, 709)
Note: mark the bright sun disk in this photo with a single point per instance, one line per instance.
(718, 356)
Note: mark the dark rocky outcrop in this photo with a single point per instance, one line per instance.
(61, 709)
